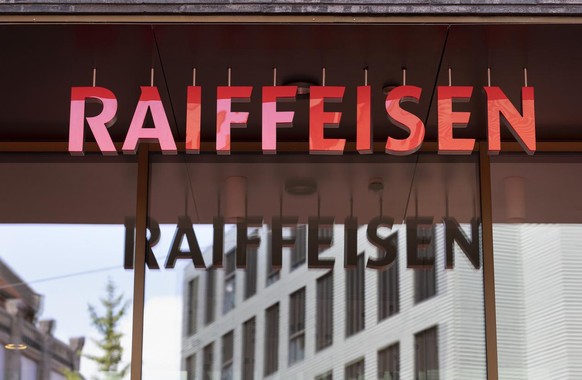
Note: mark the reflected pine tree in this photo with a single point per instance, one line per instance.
(114, 308)
(72, 375)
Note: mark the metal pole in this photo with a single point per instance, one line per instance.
(141, 215)
(488, 263)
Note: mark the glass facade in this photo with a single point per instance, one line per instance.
(301, 281)
(537, 236)
(418, 314)
(292, 266)
(64, 292)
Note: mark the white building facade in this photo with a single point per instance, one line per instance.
(360, 323)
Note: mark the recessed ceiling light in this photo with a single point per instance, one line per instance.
(15, 346)
(302, 87)
(300, 186)
(376, 184)
(389, 87)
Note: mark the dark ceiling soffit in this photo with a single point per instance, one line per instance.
(340, 8)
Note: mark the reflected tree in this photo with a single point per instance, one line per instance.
(106, 321)
(72, 375)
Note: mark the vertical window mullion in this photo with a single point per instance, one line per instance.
(488, 262)
(141, 217)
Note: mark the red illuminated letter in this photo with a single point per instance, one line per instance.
(523, 127)
(193, 111)
(449, 119)
(149, 100)
(364, 120)
(319, 119)
(273, 119)
(98, 124)
(225, 118)
(405, 120)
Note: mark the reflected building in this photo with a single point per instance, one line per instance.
(347, 323)
(29, 350)
(538, 300)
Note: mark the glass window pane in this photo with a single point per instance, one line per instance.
(355, 297)
(372, 249)
(389, 363)
(355, 371)
(325, 376)
(248, 350)
(324, 312)
(57, 376)
(28, 368)
(67, 227)
(388, 291)
(537, 235)
(190, 367)
(427, 355)
(192, 305)
(2, 361)
(271, 347)
(208, 372)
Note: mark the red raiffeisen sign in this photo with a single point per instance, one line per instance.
(521, 124)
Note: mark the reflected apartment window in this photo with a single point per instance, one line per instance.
(273, 274)
(355, 295)
(325, 232)
(2, 360)
(28, 368)
(325, 376)
(248, 352)
(324, 312)
(297, 326)
(251, 272)
(425, 279)
(355, 371)
(426, 358)
(191, 367)
(388, 291)
(299, 250)
(227, 372)
(229, 282)
(271, 346)
(389, 363)
(208, 362)
(192, 306)
(53, 376)
(210, 296)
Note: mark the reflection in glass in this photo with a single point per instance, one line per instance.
(248, 349)
(229, 283)
(324, 312)
(389, 363)
(28, 368)
(297, 326)
(304, 320)
(355, 297)
(273, 274)
(251, 272)
(355, 371)
(537, 236)
(325, 376)
(192, 297)
(299, 249)
(426, 355)
(227, 356)
(208, 364)
(425, 278)
(210, 308)
(191, 367)
(271, 347)
(63, 238)
(388, 291)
